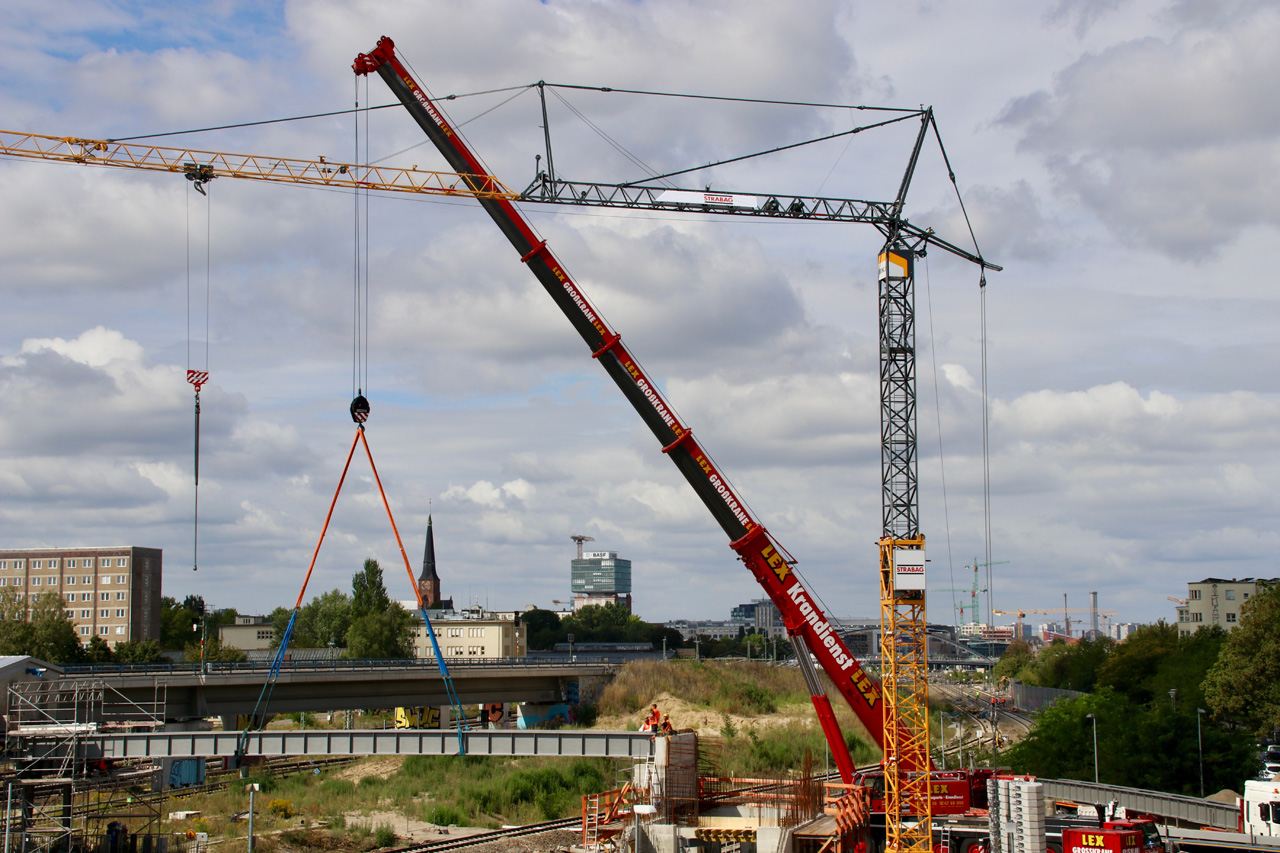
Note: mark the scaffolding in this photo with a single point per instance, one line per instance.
(62, 799)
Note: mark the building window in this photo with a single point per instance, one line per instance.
(266, 635)
(71, 564)
(106, 596)
(455, 651)
(119, 578)
(4, 564)
(3, 581)
(86, 596)
(85, 614)
(51, 564)
(86, 580)
(121, 562)
(1197, 617)
(455, 632)
(35, 564)
(120, 596)
(1195, 595)
(1230, 594)
(35, 581)
(104, 561)
(105, 614)
(17, 581)
(71, 580)
(84, 630)
(53, 581)
(1231, 617)
(119, 614)
(104, 630)
(71, 596)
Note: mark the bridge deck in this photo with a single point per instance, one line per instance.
(571, 743)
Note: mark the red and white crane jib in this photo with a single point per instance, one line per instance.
(754, 546)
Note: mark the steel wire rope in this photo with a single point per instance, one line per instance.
(937, 408)
(732, 99)
(986, 415)
(196, 378)
(299, 118)
(475, 117)
(776, 149)
(613, 143)
(839, 157)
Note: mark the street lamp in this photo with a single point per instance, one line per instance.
(1095, 745)
(1200, 747)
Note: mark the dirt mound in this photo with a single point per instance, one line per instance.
(707, 722)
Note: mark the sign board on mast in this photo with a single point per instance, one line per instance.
(908, 569)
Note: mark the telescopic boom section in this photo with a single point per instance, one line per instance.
(801, 614)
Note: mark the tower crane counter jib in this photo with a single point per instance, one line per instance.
(811, 631)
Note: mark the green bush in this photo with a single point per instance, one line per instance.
(384, 835)
(445, 815)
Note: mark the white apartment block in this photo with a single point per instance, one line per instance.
(112, 593)
(471, 634)
(1217, 601)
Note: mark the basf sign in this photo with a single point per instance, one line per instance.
(908, 569)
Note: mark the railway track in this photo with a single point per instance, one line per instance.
(569, 823)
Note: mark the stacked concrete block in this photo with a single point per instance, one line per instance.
(1026, 812)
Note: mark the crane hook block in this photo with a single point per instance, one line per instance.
(360, 409)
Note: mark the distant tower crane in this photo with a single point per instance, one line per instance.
(580, 539)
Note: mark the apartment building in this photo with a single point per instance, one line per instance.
(112, 592)
(1217, 601)
(472, 633)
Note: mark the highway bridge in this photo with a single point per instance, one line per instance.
(192, 691)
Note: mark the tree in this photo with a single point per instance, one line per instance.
(379, 627)
(98, 651)
(381, 634)
(141, 651)
(322, 622)
(542, 628)
(1070, 666)
(1014, 659)
(368, 593)
(53, 635)
(15, 630)
(1242, 684)
(176, 621)
(214, 651)
(1153, 746)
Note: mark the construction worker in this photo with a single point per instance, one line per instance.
(667, 728)
(653, 721)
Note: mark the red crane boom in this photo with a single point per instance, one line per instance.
(810, 630)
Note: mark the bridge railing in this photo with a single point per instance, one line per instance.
(331, 665)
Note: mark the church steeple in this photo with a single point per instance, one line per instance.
(429, 580)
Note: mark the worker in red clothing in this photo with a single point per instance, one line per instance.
(667, 728)
(652, 722)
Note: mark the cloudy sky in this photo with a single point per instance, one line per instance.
(1119, 158)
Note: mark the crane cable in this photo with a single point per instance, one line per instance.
(197, 377)
(360, 405)
(359, 414)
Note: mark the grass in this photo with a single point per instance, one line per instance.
(442, 790)
(742, 688)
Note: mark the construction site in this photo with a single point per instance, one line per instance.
(93, 766)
